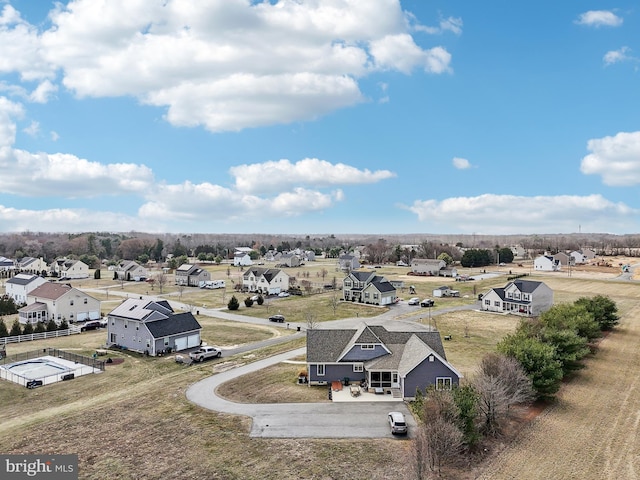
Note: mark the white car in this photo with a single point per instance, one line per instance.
(397, 423)
(414, 301)
(283, 294)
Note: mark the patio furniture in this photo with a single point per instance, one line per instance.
(378, 390)
(355, 390)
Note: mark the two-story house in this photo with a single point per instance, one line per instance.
(267, 281)
(191, 275)
(387, 361)
(520, 297)
(19, 286)
(368, 287)
(69, 269)
(32, 265)
(427, 266)
(546, 263)
(151, 327)
(348, 262)
(59, 301)
(130, 270)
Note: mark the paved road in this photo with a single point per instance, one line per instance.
(299, 420)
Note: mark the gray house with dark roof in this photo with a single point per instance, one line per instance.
(390, 361)
(191, 275)
(367, 287)
(151, 327)
(520, 297)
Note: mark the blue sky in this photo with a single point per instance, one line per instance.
(336, 116)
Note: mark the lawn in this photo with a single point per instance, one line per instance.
(133, 420)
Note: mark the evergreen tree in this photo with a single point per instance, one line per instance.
(16, 329)
(63, 325)
(40, 328)
(28, 329)
(96, 274)
(233, 303)
(52, 326)
(3, 329)
(603, 309)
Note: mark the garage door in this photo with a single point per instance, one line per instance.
(181, 343)
(193, 340)
(94, 315)
(82, 317)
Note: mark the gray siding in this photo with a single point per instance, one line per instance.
(334, 372)
(130, 337)
(357, 354)
(542, 299)
(425, 374)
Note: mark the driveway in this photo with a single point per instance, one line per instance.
(299, 420)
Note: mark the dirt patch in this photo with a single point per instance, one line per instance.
(114, 361)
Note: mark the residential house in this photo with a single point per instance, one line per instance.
(518, 251)
(368, 287)
(19, 286)
(289, 260)
(242, 259)
(348, 262)
(191, 275)
(546, 263)
(151, 327)
(588, 253)
(267, 281)
(564, 260)
(520, 297)
(309, 256)
(583, 256)
(130, 270)
(426, 266)
(578, 257)
(391, 361)
(58, 302)
(69, 269)
(6, 264)
(32, 265)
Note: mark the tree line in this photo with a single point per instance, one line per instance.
(528, 365)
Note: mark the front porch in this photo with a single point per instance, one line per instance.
(343, 393)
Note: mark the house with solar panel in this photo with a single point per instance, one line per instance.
(519, 297)
(151, 327)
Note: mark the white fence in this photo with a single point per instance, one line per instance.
(73, 329)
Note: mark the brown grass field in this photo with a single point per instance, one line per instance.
(134, 422)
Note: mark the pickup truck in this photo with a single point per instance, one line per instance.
(205, 352)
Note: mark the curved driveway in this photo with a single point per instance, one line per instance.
(298, 420)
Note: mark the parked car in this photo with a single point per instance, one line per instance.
(93, 325)
(205, 352)
(397, 423)
(277, 318)
(414, 301)
(283, 294)
(427, 302)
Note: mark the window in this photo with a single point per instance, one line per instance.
(431, 358)
(375, 295)
(126, 324)
(166, 341)
(347, 284)
(149, 343)
(320, 370)
(443, 383)
(367, 346)
(366, 295)
(497, 304)
(85, 301)
(487, 302)
(70, 302)
(357, 368)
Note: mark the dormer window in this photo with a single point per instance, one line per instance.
(367, 346)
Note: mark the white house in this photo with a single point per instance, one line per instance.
(520, 297)
(348, 262)
(130, 270)
(268, 281)
(427, 266)
(32, 265)
(59, 301)
(21, 285)
(242, 259)
(69, 269)
(546, 263)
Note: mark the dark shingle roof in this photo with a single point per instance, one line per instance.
(527, 286)
(22, 279)
(173, 325)
(328, 345)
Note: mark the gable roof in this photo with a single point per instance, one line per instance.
(328, 345)
(22, 279)
(51, 291)
(173, 325)
(142, 310)
(525, 286)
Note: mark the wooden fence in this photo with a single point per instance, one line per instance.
(72, 330)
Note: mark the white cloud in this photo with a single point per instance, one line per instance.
(509, 214)
(33, 129)
(616, 159)
(43, 92)
(72, 220)
(21, 48)
(54, 136)
(231, 64)
(461, 163)
(400, 52)
(8, 111)
(599, 18)
(450, 24)
(617, 56)
(276, 176)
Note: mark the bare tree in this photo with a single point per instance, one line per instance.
(335, 301)
(501, 383)
(161, 281)
(180, 288)
(311, 320)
